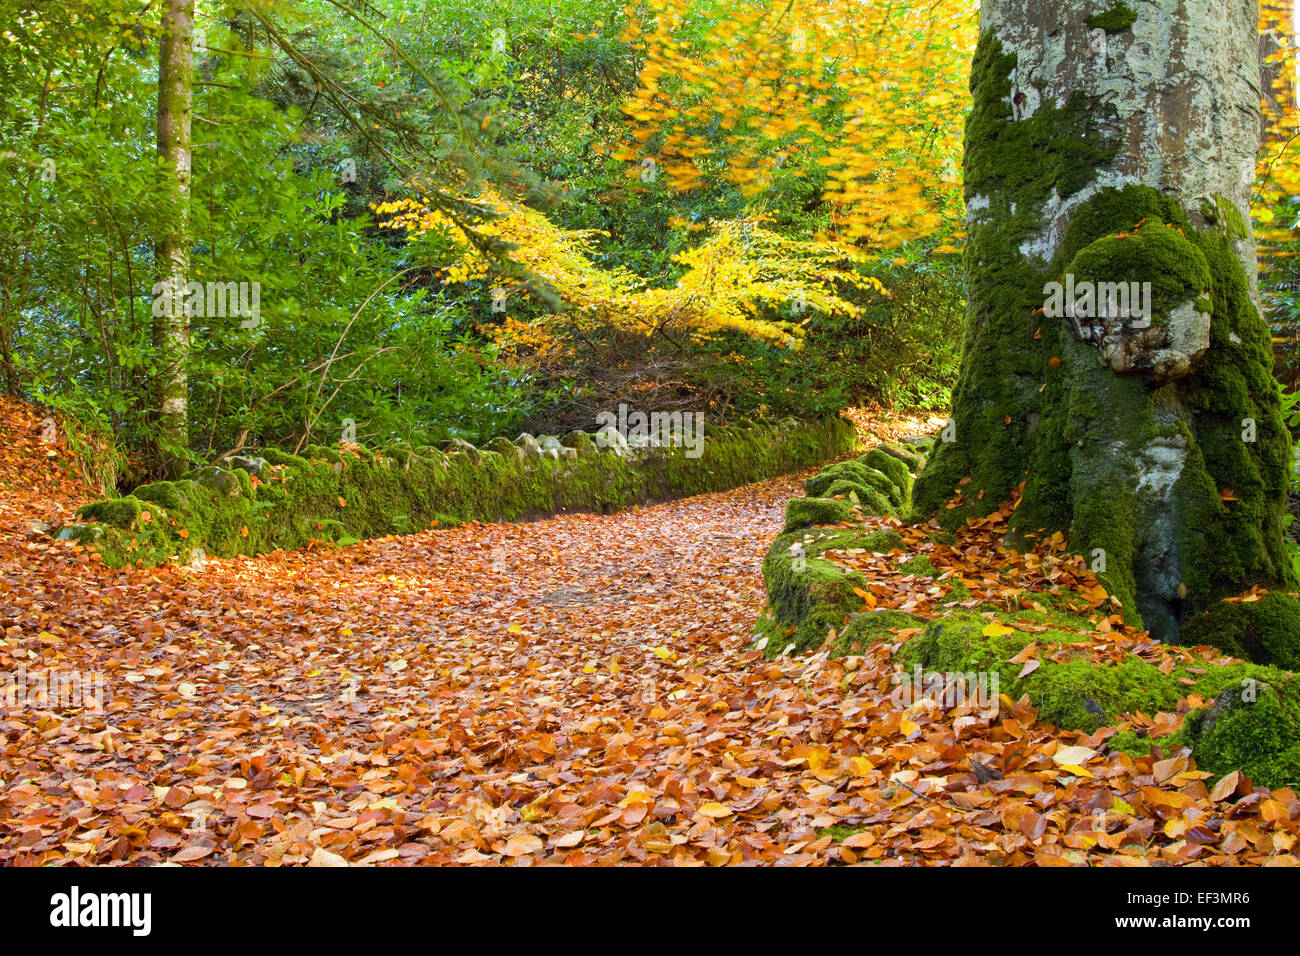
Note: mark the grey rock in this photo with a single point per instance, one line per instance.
(610, 439)
(221, 481)
(249, 463)
(462, 447)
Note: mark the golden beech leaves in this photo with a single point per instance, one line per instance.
(741, 267)
(1278, 173)
(872, 93)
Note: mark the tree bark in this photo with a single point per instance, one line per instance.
(1117, 144)
(172, 248)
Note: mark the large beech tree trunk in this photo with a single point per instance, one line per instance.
(172, 247)
(1108, 144)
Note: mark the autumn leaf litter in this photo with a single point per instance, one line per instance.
(576, 690)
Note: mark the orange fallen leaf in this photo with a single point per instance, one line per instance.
(522, 844)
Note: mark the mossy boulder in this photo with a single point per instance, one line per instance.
(252, 464)
(1266, 631)
(121, 513)
(1253, 726)
(809, 594)
(807, 512)
(803, 607)
(913, 458)
(897, 494)
(818, 484)
(865, 629)
(175, 495)
(581, 443)
(83, 534)
(504, 446)
(887, 473)
(458, 446)
(894, 468)
(866, 497)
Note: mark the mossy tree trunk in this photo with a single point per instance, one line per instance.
(172, 247)
(1116, 144)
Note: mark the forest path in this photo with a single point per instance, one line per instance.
(573, 690)
(577, 687)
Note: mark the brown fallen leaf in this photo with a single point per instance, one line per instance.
(1226, 787)
(190, 854)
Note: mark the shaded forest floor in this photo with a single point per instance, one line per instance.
(574, 690)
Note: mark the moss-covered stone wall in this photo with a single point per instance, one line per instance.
(342, 495)
(809, 594)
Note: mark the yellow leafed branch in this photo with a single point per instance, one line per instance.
(737, 279)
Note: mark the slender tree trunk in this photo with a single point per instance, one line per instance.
(1110, 145)
(172, 249)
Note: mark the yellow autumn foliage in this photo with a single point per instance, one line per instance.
(736, 279)
(1278, 173)
(875, 92)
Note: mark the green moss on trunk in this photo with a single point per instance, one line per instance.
(1134, 464)
(1115, 20)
